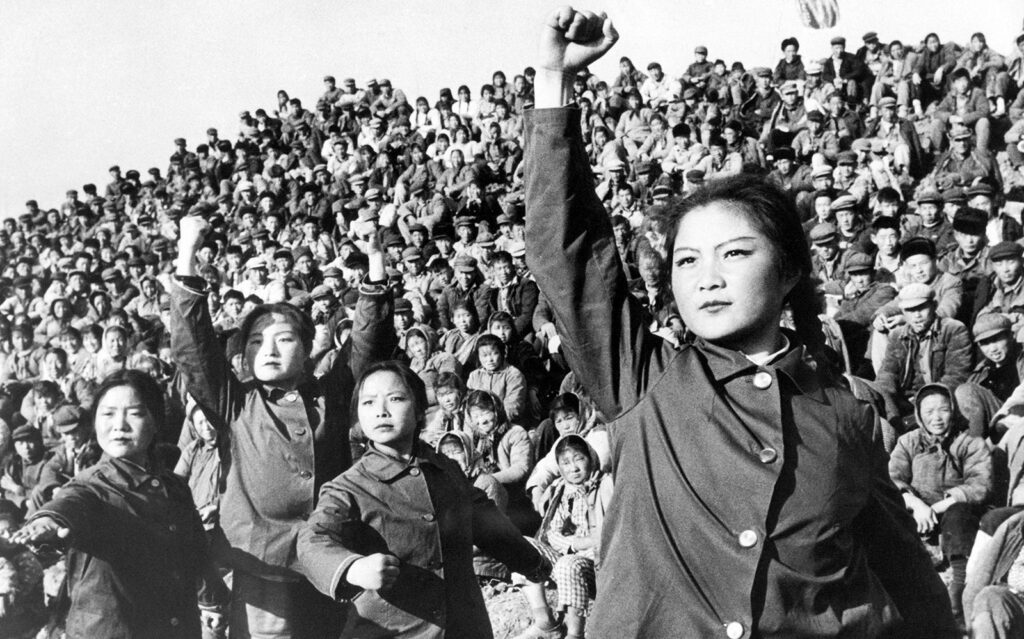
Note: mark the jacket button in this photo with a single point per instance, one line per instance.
(415, 472)
(748, 538)
(172, 528)
(174, 621)
(155, 483)
(734, 630)
(768, 455)
(763, 380)
(305, 474)
(299, 432)
(428, 517)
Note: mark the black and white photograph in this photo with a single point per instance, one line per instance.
(459, 319)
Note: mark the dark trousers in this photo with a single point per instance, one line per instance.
(958, 527)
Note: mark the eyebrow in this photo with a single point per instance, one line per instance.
(717, 246)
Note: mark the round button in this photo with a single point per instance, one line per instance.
(291, 396)
(734, 630)
(172, 528)
(155, 483)
(174, 621)
(748, 538)
(763, 380)
(428, 517)
(768, 455)
(299, 432)
(305, 474)
(415, 472)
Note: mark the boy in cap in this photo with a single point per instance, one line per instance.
(862, 296)
(970, 259)
(1006, 294)
(996, 376)
(925, 349)
(934, 224)
(468, 287)
(827, 261)
(23, 470)
(289, 434)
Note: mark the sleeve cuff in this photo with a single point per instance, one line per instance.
(341, 589)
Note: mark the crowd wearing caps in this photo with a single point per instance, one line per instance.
(261, 188)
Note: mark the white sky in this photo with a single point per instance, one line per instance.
(90, 83)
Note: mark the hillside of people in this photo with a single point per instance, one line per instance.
(197, 359)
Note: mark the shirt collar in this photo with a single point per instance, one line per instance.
(792, 362)
(386, 468)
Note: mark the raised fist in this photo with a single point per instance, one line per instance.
(191, 232)
(572, 40)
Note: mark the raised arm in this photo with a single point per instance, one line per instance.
(571, 247)
(194, 345)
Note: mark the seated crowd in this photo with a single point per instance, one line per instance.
(377, 228)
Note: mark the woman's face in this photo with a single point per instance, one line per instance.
(274, 350)
(387, 411)
(204, 429)
(726, 277)
(566, 422)
(124, 426)
(936, 414)
(416, 347)
(574, 466)
(484, 421)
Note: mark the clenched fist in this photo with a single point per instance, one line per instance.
(373, 572)
(191, 233)
(571, 39)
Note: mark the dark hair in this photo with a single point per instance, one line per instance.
(450, 380)
(488, 401)
(790, 41)
(411, 380)
(564, 403)
(146, 387)
(774, 214)
(504, 317)
(572, 442)
(301, 321)
(46, 388)
(490, 339)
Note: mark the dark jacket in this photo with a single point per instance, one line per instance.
(702, 455)
(429, 515)
(280, 451)
(522, 301)
(479, 295)
(951, 352)
(860, 309)
(850, 68)
(137, 551)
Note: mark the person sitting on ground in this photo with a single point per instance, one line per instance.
(574, 508)
(945, 475)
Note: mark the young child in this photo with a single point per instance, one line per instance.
(458, 447)
(460, 340)
(495, 375)
(426, 360)
(504, 448)
(450, 391)
(574, 508)
(394, 534)
(136, 547)
(200, 464)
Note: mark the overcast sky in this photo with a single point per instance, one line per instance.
(90, 83)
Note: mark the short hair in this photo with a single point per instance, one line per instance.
(979, 36)
(490, 339)
(46, 388)
(572, 442)
(564, 403)
(450, 380)
(502, 256)
(410, 379)
(487, 401)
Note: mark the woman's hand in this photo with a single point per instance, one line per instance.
(373, 572)
(570, 41)
(44, 530)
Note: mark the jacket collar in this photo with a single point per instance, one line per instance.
(386, 468)
(796, 365)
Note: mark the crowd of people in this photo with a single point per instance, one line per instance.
(309, 362)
